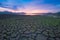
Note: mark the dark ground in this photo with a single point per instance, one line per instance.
(13, 27)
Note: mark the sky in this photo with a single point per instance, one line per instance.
(30, 6)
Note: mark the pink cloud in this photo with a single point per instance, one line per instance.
(29, 11)
(32, 8)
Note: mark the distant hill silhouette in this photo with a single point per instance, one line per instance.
(58, 14)
(11, 13)
(22, 13)
(55, 14)
(6, 14)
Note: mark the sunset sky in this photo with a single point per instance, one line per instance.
(30, 6)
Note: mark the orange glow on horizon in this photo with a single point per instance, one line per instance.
(27, 11)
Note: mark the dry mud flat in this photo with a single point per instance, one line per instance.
(28, 29)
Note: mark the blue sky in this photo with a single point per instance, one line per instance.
(28, 5)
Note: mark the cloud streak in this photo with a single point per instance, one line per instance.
(29, 6)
